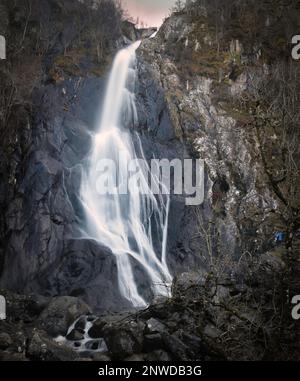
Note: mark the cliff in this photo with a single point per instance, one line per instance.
(224, 90)
(216, 83)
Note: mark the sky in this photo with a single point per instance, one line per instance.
(152, 12)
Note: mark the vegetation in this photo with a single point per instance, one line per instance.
(246, 42)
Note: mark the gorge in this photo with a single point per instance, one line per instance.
(138, 276)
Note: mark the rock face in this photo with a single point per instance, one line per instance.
(46, 214)
(43, 157)
(160, 139)
(200, 96)
(131, 33)
(186, 116)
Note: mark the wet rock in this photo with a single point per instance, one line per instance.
(92, 345)
(147, 32)
(80, 324)
(61, 313)
(155, 326)
(75, 335)
(91, 318)
(129, 31)
(86, 267)
(96, 331)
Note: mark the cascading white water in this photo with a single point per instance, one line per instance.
(126, 223)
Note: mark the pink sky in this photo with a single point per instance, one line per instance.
(150, 11)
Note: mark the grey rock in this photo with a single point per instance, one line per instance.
(96, 331)
(22, 307)
(124, 338)
(121, 344)
(61, 313)
(211, 331)
(155, 326)
(75, 335)
(41, 348)
(187, 284)
(176, 347)
(92, 345)
(80, 324)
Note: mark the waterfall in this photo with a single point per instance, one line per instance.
(132, 224)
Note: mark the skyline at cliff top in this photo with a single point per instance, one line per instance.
(151, 12)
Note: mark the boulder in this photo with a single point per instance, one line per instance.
(211, 331)
(129, 31)
(24, 307)
(176, 347)
(155, 326)
(153, 342)
(124, 338)
(42, 348)
(122, 344)
(96, 331)
(61, 313)
(5, 340)
(75, 335)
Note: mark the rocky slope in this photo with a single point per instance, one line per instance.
(207, 318)
(213, 79)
